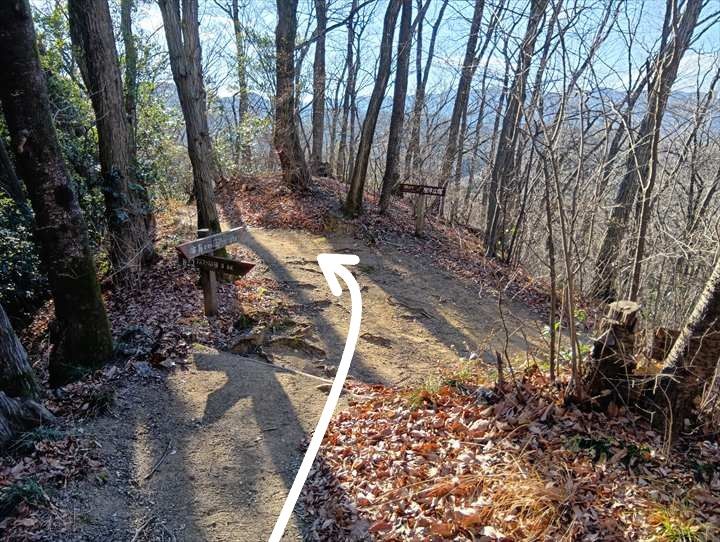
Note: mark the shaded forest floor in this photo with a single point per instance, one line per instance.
(197, 429)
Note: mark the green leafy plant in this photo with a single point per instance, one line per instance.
(23, 491)
(23, 286)
(675, 523)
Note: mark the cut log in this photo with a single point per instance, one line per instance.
(612, 361)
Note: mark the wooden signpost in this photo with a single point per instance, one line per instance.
(422, 189)
(199, 253)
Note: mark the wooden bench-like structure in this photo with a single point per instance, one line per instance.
(422, 189)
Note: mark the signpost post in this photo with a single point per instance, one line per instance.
(199, 252)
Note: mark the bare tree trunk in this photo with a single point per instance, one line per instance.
(352, 70)
(318, 108)
(286, 139)
(552, 332)
(412, 162)
(691, 363)
(18, 388)
(397, 117)
(183, 41)
(243, 96)
(353, 203)
(81, 338)
(332, 144)
(126, 201)
(504, 164)
(461, 99)
(131, 59)
(640, 162)
(18, 410)
(16, 375)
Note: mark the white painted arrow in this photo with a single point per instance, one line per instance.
(333, 266)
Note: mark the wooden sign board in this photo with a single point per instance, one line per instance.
(211, 243)
(223, 265)
(424, 189)
(198, 251)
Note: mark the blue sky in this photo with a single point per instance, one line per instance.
(613, 68)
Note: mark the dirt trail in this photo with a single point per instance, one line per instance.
(224, 438)
(416, 317)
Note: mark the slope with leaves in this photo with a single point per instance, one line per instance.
(463, 462)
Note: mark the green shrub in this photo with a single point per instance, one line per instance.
(23, 286)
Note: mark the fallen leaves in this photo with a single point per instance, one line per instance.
(455, 469)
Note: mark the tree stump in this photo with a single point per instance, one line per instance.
(612, 360)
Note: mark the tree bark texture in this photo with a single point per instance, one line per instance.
(353, 202)
(691, 363)
(296, 173)
(16, 375)
(391, 176)
(612, 363)
(127, 205)
(82, 336)
(183, 39)
(131, 59)
(20, 415)
(318, 104)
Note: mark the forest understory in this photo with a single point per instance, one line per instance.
(195, 430)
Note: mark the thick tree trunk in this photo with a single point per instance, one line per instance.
(126, 202)
(397, 117)
(82, 336)
(183, 40)
(641, 164)
(353, 203)
(16, 375)
(504, 166)
(286, 138)
(18, 388)
(691, 363)
(318, 104)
